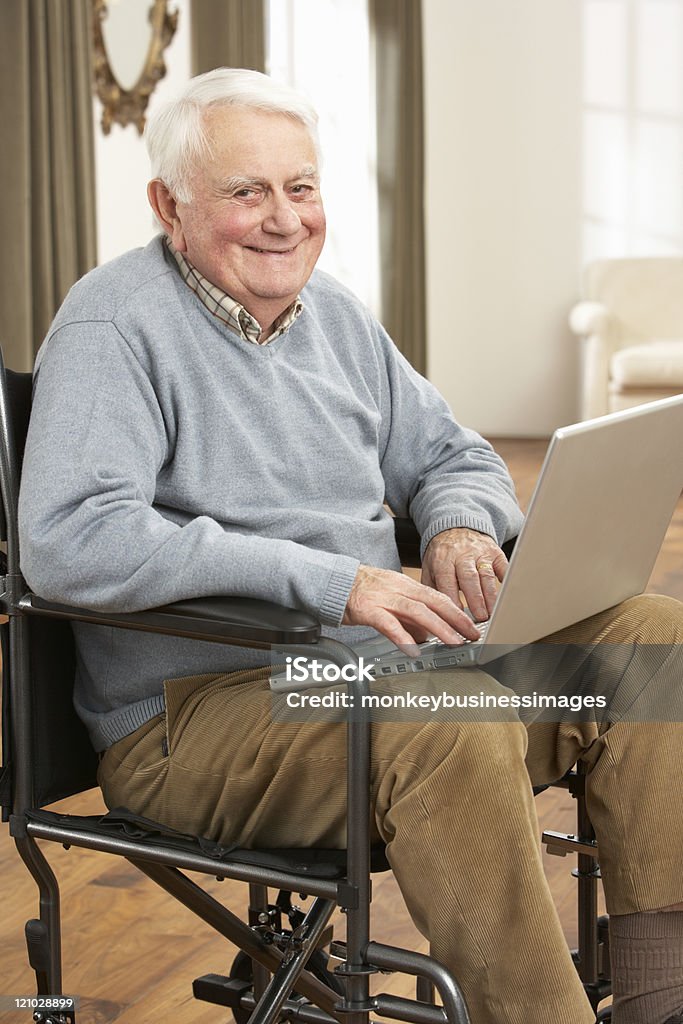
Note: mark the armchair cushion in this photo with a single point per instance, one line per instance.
(630, 321)
(654, 364)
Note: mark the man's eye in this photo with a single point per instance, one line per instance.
(301, 190)
(247, 193)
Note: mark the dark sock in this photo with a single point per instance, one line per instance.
(646, 953)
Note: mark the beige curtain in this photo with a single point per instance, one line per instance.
(397, 31)
(228, 33)
(47, 178)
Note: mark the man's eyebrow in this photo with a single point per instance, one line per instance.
(237, 181)
(309, 171)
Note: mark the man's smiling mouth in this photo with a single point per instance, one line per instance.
(271, 252)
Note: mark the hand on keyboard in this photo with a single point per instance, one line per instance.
(465, 561)
(405, 611)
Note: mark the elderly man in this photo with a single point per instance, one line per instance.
(213, 416)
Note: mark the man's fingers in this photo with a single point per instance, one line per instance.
(470, 583)
(488, 582)
(426, 613)
(489, 571)
(391, 628)
(426, 578)
(465, 562)
(500, 565)
(407, 623)
(446, 581)
(415, 614)
(405, 610)
(431, 609)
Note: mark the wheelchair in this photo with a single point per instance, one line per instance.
(283, 970)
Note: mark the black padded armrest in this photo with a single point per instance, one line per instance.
(242, 622)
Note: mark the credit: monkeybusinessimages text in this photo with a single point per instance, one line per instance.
(445, 701)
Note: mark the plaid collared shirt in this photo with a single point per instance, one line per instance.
(228, 310)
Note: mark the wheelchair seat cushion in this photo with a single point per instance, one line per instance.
(121, 823)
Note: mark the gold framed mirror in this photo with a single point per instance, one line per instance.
(129, 40)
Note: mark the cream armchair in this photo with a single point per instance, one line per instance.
(631, 322)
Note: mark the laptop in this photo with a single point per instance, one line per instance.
(600, 510)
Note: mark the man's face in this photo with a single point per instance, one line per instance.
(255, 225)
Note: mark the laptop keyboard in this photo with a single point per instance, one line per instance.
(382, 658)
(432, 655)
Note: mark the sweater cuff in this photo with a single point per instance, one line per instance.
(333, 604)
(455, 522)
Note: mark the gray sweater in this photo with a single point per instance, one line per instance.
(169, 459)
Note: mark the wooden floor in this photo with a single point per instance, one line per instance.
(131, 953)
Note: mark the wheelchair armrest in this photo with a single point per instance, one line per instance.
(240, 621)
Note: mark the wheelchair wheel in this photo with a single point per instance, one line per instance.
(242, 968)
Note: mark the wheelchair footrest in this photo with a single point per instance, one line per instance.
(214, 988)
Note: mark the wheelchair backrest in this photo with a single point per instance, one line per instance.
(56, 757)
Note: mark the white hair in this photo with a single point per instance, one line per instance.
(175, 135)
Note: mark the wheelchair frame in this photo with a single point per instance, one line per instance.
(234, 622)
(333, 878)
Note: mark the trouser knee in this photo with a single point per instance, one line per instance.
(459, 760)
(648, 619)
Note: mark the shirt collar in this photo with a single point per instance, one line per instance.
(228, 310)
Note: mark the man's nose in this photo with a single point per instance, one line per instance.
(281, 217)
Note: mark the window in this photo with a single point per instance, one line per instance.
(633, 128)
(322, 48)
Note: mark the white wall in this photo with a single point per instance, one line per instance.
(124, 218)
(503, 209)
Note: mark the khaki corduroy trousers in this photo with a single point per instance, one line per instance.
(451, 799)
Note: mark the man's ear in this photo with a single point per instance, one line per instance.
(165, 208)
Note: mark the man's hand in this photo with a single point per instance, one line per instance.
(467, 562)
(405, 611)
